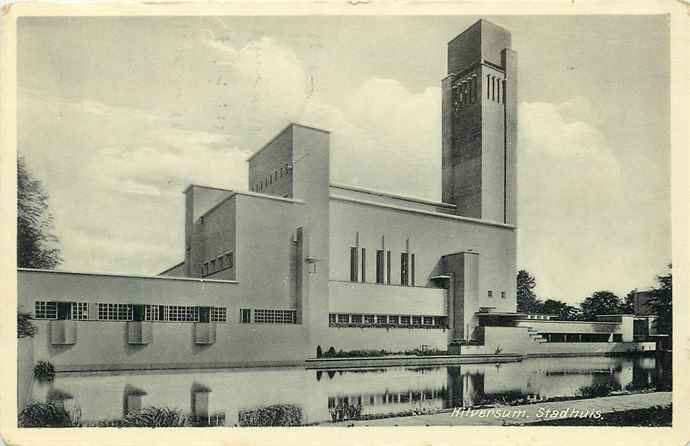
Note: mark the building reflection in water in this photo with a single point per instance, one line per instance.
(216, 397)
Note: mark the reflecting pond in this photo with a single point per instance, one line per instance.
(228, 396)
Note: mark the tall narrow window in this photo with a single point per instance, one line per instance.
(498, 90)
(388, 268)
(412, 269)
(379, 266)
(493, 88)
(404, 268)
(488, 86)
(503, 99)
(474, 89)
(364, 265)
(354, 264)
(245, 315)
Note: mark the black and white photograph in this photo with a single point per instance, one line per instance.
(344, 221)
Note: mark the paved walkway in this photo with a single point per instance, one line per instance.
(529, 413)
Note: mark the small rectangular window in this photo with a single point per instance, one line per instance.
(343, 318)
(219, 314)
(356, 318)
(220, 262)
(368, 318)
(404, 259)
(45, 310)
(245, 315)
(379, 266)
(491, 293)
(364, 265)
(503, 294)
(213, 266)
(404, 320)
(354, 264)
(332, 318)
(416, 320)
(151, 312)
(393, 320)
(381, 319)
(428, 320)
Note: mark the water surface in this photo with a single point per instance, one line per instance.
(223, 395)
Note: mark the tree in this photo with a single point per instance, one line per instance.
(601, 302)
(527, 301)
(662, 304)
(36, 244)
(561, 309)
(629, 303)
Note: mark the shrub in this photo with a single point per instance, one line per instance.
(597, 390)
(155, 417)
(25, 329)
(50, 414)
(426, 352)
(344, 411)
(44, 371)
(276, 415)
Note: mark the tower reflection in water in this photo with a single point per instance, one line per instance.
(219, 397)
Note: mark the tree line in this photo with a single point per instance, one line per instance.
(599, 302)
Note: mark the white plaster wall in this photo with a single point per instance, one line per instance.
(353, 297)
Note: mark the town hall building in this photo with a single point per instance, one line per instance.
(297, 264)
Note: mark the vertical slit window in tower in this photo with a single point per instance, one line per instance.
(498, 90)
(474, 89)
(412, 270)
(493, 88)
(388, 268)
(488, 86)
(353, 264)
(504, 91)
(379, 266)
(364, 265)
(404, 268)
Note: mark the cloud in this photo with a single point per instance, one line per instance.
(577, 220)
(116, 173)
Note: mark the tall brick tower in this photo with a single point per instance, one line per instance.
(480, 124)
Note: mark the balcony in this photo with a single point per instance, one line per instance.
(204, 333)
(63, 332)
(139, 332)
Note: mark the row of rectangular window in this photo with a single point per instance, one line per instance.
(387, 319)
(407, 267)
(387, 397)
(465, 91)
(495, 88)
(225, 261)
(268, 316)
(272, 178)
(129, 312)
(165, 313)
(490, 293)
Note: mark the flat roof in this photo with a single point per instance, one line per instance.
(172, 267)
(392, 195)
(250, 194)
(292, 124)
(423, 212)
(131, 276)
(499, 313)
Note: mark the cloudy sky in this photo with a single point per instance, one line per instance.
(118, 115)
